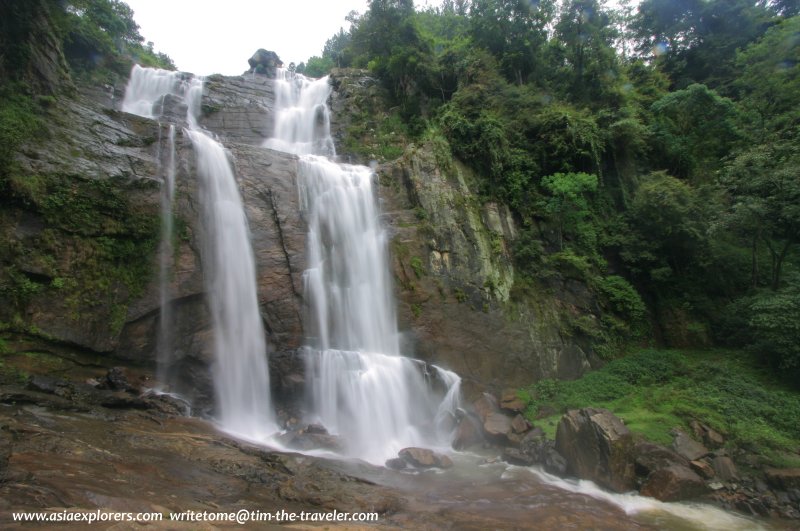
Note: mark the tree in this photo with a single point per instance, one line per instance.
(337, 49)
(316, 67)
(695, 41)
(669, 229)
(763, 184)
(387, 40)
(693, 129)
(514, 31)
(568, 201)
(770, 80)
(584, 37)
(774, 323)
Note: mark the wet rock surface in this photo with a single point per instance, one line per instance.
(597, 446)
(688, 447)
(72, 454)
(674, 483)
(238, 108)
(454, 278)
(311, 437)
(142, 461)
(424, 458)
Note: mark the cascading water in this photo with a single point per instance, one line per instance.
(166, 252)
(361, 387)
(241, 378)
(302, 119)
(146, 88)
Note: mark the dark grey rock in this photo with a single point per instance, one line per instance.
(264, 62)
(396, 463)
(424, 458)
(724, 468)
(674, 483)
(515, 456)
(688, 447)
(597, 446)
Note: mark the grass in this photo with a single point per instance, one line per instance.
(654, 391)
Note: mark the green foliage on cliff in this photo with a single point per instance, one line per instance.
(98, 38)
(654, 145)
(103, 34)
(90, 248)
(93, 257)
(20, 120)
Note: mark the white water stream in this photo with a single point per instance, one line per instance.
(361, 387)
(241, 374)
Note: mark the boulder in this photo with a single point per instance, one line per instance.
(709, 436)
(724, 468)
(515, 456)
(468, 433)
(485, 405)
(674, 483)
(116, 379)
(532, 442)
(520, 424)
(511, 402)
(265, 62)
(687, 447)
(396, 463)
(552, 461)
(310, 437)
(784, 478)
(703, 469)
(597, 446)
(651, 457)
(424, 458)
(497, 425)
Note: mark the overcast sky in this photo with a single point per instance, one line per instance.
(205, 37)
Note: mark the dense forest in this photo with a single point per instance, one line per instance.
(649, 151)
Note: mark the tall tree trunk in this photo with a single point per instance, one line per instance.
(776, 275)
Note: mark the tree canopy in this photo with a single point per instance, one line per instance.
(651, 144)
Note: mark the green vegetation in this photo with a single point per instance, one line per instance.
(654, 391)
(99, 40)
(417, 267)
(102, 35)
(648, 153)
(93, 221)
(20, 121)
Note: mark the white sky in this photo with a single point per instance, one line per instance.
(218, 37)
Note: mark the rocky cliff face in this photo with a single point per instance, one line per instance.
(456, 280)
(80, 231)
(460, 302)
(81, 238)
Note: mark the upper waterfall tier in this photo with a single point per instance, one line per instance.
(147, 88)
(302, 118)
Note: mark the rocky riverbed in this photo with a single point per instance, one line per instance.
(99, 440)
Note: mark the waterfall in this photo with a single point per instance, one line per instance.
(302, 119)
(166, 259)
(361, 387)
(146, 88)
(241, 375)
